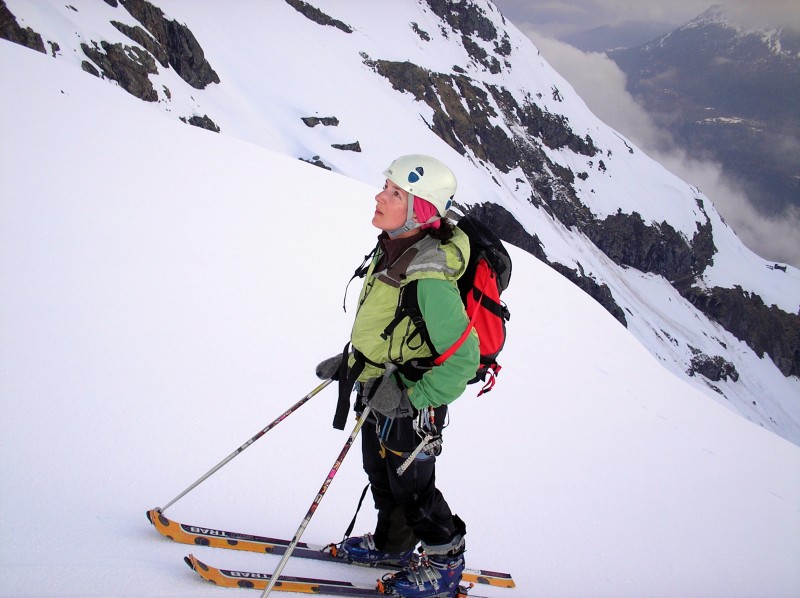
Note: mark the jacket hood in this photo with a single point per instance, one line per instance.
(430, 258)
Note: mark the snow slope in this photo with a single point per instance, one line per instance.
(165, 292)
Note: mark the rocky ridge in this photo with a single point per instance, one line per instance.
(159, 41)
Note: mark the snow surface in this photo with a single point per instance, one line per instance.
(165, 292)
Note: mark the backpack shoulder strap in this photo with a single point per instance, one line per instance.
(408, 306)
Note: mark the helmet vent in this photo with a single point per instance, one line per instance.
(413, 177)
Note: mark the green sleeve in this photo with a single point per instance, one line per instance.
(446, 320)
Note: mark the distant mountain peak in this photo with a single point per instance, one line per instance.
(714, 16)
(714, 13)
(779, 38)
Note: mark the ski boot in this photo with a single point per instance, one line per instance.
(362, 550)
(433, 573)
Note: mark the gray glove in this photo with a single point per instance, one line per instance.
(329, 369)
(384, 396)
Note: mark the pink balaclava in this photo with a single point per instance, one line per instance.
(424, 211)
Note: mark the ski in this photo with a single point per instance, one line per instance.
(206, 536)
(303, 585)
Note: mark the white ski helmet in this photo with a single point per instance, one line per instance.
(424, 177)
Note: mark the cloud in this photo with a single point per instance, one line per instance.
(601, 84)
(774, 238)
(764, 14)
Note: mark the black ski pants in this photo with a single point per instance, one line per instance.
(410, 507)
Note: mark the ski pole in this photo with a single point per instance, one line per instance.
(274, 578)
(222, 463)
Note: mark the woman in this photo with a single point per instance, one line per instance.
(408, 395)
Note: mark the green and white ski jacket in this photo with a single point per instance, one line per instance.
(437, 265)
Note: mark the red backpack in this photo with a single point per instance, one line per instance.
(486, 277)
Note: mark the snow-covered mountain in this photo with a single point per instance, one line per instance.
(348, 89)
(459, 81)
(729, 93)
(166, 291)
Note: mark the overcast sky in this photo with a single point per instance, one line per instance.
(601, 84)
(557, 18)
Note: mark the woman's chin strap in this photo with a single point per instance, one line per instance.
(410, 223)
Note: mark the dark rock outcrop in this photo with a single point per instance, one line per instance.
(423, 35)
(141, 37)
(714, 368)
(552, 129)
(480, 56)
(464, 18)
(315, 161)
(312, 13)
(11, 30)
(471, 21)
(765, 329)
(180, 45)
(461, 127)
(627, 240)
(503, 223)
(326, 121)
(128, 66)
(508, 228)
(348, 147)
(168, 42)
(202, 122)
(470, 127)
(88, 67)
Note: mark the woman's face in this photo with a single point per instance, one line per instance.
(391, 207)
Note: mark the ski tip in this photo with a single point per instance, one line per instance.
(157, 518)
(152, 513)
(196, 565)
